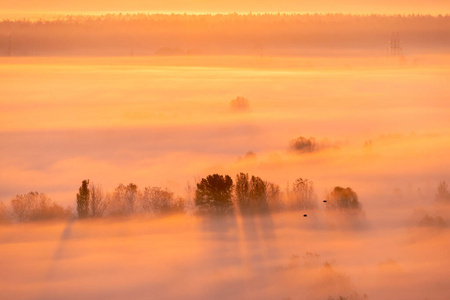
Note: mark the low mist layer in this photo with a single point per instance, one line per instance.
(284, 256)
(377, 124)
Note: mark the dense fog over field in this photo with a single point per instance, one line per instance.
(255, 156)
(377, 122)
(379, 126)
(283, 256)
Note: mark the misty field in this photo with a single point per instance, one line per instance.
(380, 125)
(283, 256)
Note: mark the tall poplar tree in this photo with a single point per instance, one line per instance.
(83, 200)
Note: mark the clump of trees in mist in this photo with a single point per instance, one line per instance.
(344, 205)
(309, 145)
(161, 201)
(126, 200)
(36, 206)
(303, 145)
(443, 194)
(213, 195)
(251, 195)
(302, 195)
(343, 199)
(240, 105)
(440, 218)
(432, 221)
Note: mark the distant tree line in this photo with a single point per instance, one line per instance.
(213, 195)
(194, 34)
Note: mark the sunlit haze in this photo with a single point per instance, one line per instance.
(225, 150)
(48, 8)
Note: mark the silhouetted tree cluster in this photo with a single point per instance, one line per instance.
(343, 199)
(302, 195)
(161, 201)
(216, 194)
(303, 145)
(308, 145)
(36, 206)
(90, 201)
(97, 203)
(126, 200)
(213, 194)
(432, 221)
(251, 194)
(274, 197)
(438, 218)
(240, 104)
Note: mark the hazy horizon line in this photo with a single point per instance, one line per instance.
(65, 15)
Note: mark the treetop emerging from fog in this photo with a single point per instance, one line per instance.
(343, 199)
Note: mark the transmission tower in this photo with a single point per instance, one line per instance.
(395, 49)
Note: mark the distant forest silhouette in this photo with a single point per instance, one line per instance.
(223, 34)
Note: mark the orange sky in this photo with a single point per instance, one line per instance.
(49, 8)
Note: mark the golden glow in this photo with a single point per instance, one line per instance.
(117, 102)
(50, 8)
(144, 115)
(136, 257)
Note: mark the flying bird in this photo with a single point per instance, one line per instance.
(305, 215)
